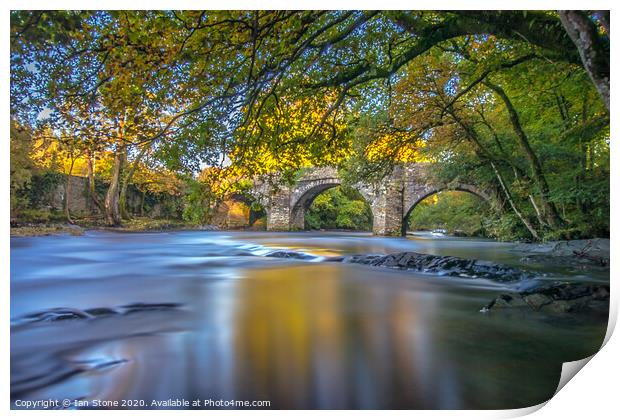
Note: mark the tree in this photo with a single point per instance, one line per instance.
(112, 73)
(216, 89)
(22, 165)
(446, 101)
(590, 33)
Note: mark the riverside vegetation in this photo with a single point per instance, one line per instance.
(186, 107)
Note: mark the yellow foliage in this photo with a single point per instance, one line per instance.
(396, 147)
(294, 134)
(49, 153)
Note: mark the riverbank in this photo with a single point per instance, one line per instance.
(138, 224)
(579, 253)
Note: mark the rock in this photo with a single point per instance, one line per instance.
(583, 252)
(447, 266)
(576, 261)
(509, 300)
(537, 300)
(65, 314)
(557, 298)
(142, 307)
(101, 311)
(52, 315)
(506, 300)
(290, 255)
(601, 293)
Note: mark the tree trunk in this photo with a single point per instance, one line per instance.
(68, 191)
(142, 203)
(112, 209)
(122, 198)
(551, 212)
(127, 179)
(593, 51)
(483, 152)
(91, 182)
(521, 176)
(514, 207)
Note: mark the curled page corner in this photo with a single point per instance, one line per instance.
(570, 369)
(613, 317)
(521, 412)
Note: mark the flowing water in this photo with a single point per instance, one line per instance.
(205, 315)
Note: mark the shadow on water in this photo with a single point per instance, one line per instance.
(213, 319)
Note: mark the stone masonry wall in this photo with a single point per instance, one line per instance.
(80, 203)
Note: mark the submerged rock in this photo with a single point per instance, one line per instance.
(290, 255)
(559, 298)
(509, 300)
(101, 311)
(142, 307)
(447, 266)
(65, 314)
(537, 300)
(54, 314)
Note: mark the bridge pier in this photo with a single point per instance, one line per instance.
(387, 211)
(298, 218)
(278, 211)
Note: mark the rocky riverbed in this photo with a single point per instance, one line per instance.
(425, 263)
(446, 266)
(539, 295)
(558, 298)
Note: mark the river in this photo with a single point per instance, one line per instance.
(205, 315)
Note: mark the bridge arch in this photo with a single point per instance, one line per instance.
(468, 188)
(305, 193)
(256, 211)
(238, 210)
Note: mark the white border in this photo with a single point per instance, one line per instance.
(593, 393)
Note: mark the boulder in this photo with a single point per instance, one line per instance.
(537, 300)
(557, 298)
(290, 255)
(447, 266)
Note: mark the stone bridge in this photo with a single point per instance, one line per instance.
(391, 200)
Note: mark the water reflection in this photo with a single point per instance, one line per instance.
(300, 334)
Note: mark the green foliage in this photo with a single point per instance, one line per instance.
(197, 203)
(172, 207)
(339, 208)
(453, 211)
(42, 186)
(505, 227)
(34, 216)
(27, 201)
(41, 216)
(21, 166)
